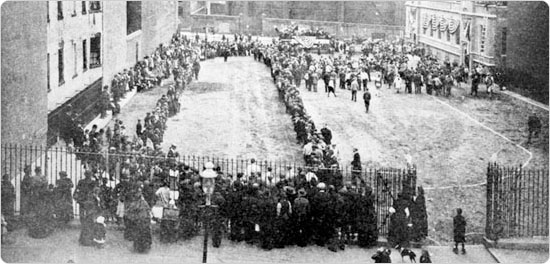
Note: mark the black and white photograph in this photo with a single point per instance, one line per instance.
(274, 132)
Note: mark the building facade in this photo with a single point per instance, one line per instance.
(464, 32)
(71, 49)
(343, 19)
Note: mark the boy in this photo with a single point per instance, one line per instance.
(459, 230)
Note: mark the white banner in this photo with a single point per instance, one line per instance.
(306, 41)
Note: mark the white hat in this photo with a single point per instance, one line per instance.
(100, 220)
(321, 186)
(209, 165)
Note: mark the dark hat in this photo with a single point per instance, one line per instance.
(62, 173)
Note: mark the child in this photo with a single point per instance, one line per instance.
(459, 230)
(99, 232)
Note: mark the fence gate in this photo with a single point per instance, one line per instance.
(517, 202)
(384, 182)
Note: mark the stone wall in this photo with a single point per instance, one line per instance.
(24, 73)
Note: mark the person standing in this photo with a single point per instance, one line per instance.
(91, 207)
(534, 125)
(83, 191)
(8, 198)
(63, 198)
(366, 98)
(476, 79)
(196, 69)
(356, 166)
(459, 231)
(139, 213)
(354, 87)
(26, 191)
(301, 219)
(327, 134)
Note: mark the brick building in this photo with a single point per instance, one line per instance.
(71, 49)
(340, 18)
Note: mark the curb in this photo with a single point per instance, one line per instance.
(529, 246)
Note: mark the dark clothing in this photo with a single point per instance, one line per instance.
(139, 213)
(366, 98)
(327, 135)
(459, 229)
(8, 199)
(26, 190)
(64, 200)
(90, 209)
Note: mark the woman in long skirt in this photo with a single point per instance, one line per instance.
(140, 214)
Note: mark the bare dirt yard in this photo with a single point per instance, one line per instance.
(233, 111)
(451, 141)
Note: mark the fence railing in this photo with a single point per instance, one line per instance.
(517, 202)
(384, 182)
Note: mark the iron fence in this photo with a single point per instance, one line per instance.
(384, 182)
(517, 202)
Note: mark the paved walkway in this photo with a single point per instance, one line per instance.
(62, 247)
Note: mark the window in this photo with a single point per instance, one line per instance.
(482, 31)
(60, 64)
(84, 56)
(504, 35)
(59, 10)
(438, 33)
(133, 16)
(431, 32)
(95, 6)
(74, 9)
(448, 36)
(48, 11)
(84, 4)
(457, 36)
(75, 60)
(48, 74)
(95, 51)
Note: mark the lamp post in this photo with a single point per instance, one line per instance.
(208, 176)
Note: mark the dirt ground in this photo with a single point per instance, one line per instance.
(233, 111)
(450, 140)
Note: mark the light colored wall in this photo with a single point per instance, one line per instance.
(71, 29)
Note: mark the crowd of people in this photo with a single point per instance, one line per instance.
(312, 206)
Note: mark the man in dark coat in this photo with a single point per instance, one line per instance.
(366, 98)
(356, 166)
(459, 231)
(534, 126)
(322, 212)
(26, 190)
(327, 134)
(196, 69)
(301, 213)
(366, 219)
(218, 219)
(419, 217)
(83, 190)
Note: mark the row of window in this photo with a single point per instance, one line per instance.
(94, 56)
(94, 7)
(456, 35)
